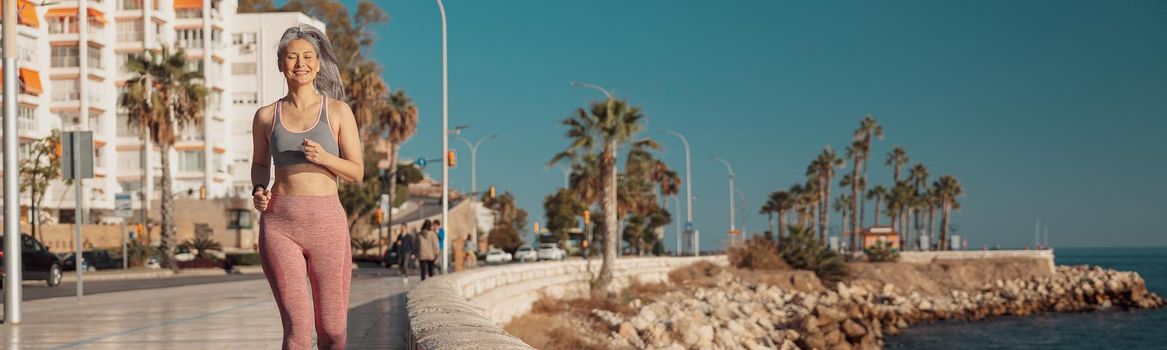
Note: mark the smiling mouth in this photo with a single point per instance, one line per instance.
(300, 72)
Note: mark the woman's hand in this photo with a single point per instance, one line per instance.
(260, 198)
(315, 153)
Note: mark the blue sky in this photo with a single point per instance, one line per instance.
(1042, 109)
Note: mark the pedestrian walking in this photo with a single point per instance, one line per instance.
(427, 248)
(406, 251)
(310, 135)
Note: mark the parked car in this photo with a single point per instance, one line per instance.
(92, 260)
(551, 251)
(525, 254)
(39, 263)
(497, 256)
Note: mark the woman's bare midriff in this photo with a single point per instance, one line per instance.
(305, 179)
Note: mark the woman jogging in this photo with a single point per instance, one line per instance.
(311, 137)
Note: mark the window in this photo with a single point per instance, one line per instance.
(240, 218)
(189, 13)
(217, 39)
(130, 30)
(26, 50)
(243, 68)
(194, 65)
(129, 4)
(242, 98)
(217, 162)
(190, 38)
(123, 127)
(191, 161)
(25, 118)
(124, 58)
(94, 57)
(63, 25)
(70, 121)
(95, 123)
(129, 160)
(66, 90)
(65, 56)
(216, 70)
(96, 94)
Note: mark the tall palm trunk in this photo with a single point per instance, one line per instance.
(770, 221)
(931, 223)
(611, 235)
(168, 232)
(854, 201)
(781, 224)
(877, 211)
(825, 212)
(391, 156)
(944, 222)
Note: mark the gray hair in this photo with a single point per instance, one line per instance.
(328, 77)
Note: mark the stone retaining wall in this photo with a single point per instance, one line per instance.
(926, 257)
(465, 310)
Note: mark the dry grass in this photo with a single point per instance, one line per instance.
(553, 331)
(699, 274)
(570, 324)
(758, 253)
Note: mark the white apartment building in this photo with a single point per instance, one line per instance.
(71, 76)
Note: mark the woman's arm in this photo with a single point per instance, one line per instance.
(349, 165)
(260, 153)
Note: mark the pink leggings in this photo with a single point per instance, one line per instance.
(302, 239)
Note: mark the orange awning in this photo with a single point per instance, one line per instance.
(94, 13)
(30, 81)
(188, 4)
(61, 12)
(26, 14)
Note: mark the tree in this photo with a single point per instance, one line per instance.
(822, 169)
(897, 203)
(842, 205)
(42, 165)
(784, 202)
(897, 158)
(948, 189)
(877, 193)
(604, 126)
(163, 97)
(562, 211)
(802, 251)
(855, 181)
(202, 245)
(869, 128)
(398, 121)
(509, 220)
(918, 176)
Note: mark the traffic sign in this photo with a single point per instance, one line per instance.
(123, 205)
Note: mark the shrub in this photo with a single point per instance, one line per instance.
(202, 245)
(882, 252)
(802, 250)
(243, 259)
(139, 253)
(759, 253)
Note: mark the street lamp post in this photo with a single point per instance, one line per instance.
(732, 223)
(474, 176)
(12, 264)
(688, 191)
(677, 209)
(445, 145)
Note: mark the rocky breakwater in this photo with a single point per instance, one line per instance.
(735, 314)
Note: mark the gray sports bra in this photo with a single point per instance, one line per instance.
(286, 146)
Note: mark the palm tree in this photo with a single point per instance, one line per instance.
(897, 158)
(161, 98)
(855, 181)
(869, 128)
(769, 208)
(918, 176)
(897, 205)
(399, 121)
(823, 169)
(842, 205)
(605, 126)
(366, 91)
(781, 202)
(947, 189)
(877, 193)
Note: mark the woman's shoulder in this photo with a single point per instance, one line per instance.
(266, 113)
(339, 107)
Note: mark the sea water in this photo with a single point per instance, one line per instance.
(1141, 329)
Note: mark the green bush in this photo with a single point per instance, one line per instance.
(802, 250)
(882, 252)
(243, 259)
(138, 253)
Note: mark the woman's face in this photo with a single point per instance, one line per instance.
(300, 62)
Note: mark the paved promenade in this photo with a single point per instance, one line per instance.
(231, 315)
